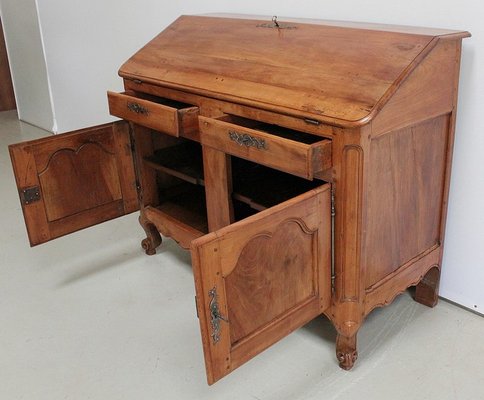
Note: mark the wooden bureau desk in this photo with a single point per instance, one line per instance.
(305, 164)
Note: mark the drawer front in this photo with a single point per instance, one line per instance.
(170, 117)
(286, 154)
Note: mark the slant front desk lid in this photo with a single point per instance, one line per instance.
(339, 72)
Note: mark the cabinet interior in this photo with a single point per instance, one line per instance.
(159, 100)
(178, 166)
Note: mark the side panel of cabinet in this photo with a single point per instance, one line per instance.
(406, 183)
(259, 279)
(75, 180)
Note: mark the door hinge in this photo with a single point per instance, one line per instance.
(333, 210)
(333, 214)
(132, 145)
(29, 195)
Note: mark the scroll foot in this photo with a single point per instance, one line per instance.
(153, 238)
(346, 351)
(427, 291)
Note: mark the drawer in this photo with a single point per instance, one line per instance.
(164, 115)
(281, 148)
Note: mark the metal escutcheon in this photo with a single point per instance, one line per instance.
(137, 108)
(243, 139)
(215, 315)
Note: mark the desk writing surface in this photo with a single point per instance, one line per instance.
(326, 70)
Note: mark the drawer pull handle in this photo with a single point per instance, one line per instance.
(243, 139)
(137, 108)
(215, 316)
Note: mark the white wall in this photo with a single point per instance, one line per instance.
(86, 41)
(27, 62)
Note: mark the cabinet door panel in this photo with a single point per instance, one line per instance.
(71, 181)
(259, 279)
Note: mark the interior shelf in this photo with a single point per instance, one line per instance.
(249, 178)
(188, 207)
(183, 161)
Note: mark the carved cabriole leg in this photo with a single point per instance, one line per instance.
(347, 318)
(427, 291)
(153, 238)
(346, 352)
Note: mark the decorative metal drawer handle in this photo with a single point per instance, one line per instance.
(137, 108)
(215, 316)
(243, 139)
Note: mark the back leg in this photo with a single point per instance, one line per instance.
(427, 290)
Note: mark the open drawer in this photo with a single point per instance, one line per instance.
(259, 279)
(284, 149)
(164, 115)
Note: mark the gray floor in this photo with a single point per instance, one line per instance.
(90, 316)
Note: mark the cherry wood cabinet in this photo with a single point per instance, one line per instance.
(305, 164)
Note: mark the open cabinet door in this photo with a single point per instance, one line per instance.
(74, 180)
(261, 278)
